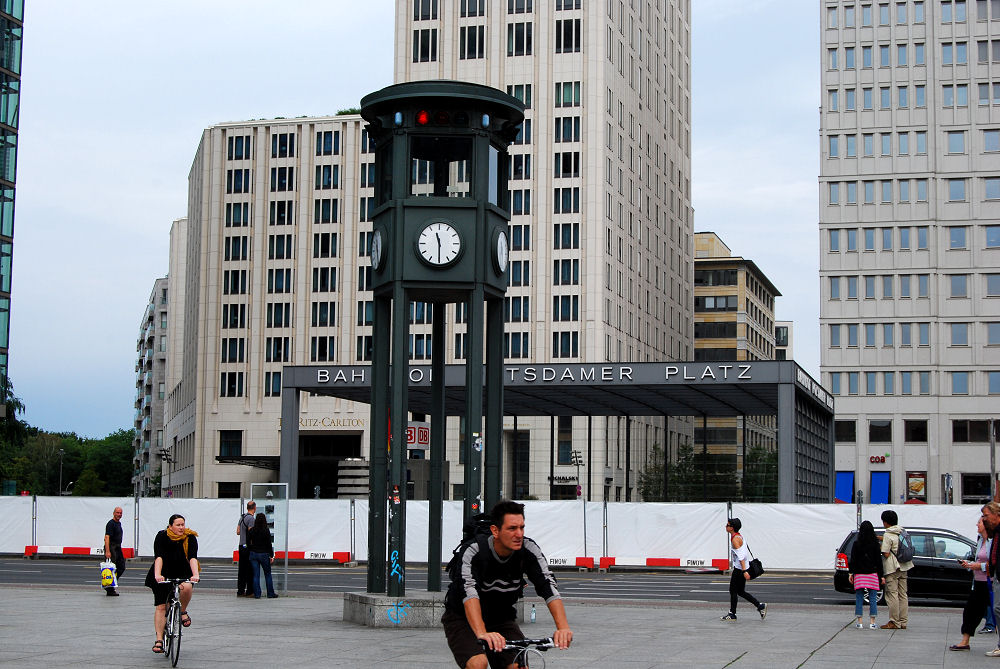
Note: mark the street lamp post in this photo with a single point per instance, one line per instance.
(577, 459)
(166, 457)
(62, 452)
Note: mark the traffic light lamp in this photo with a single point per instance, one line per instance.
(579, 491)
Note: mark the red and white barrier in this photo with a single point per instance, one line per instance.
(606, 562)
(32, 551)
(340, 557)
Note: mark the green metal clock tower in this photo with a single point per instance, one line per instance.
(440, 236)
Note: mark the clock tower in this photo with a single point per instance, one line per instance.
(439, 236)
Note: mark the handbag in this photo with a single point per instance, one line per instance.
(109, 574)
(755, 568)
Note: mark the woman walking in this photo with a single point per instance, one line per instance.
(979, 597)
(866, 573)
(738, 580)
(261, 555)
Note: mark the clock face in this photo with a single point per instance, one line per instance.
(377, 250)
(502, 254)
(439, 244)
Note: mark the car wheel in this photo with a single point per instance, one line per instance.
(880, 600)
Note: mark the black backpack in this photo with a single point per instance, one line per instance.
(475, 529)
(905, 551)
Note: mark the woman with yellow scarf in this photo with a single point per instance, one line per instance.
(175, 550)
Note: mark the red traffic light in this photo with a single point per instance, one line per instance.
(423, 117)
(579, 491)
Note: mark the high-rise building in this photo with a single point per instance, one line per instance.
(11, 27)
(733, 320)
(910, 245)
(601, 248)
(784, 340)
(150, 392)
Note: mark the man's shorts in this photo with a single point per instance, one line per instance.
(464, 645)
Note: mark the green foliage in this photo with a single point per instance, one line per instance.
(32, 458)
(692, 476)
(349, 110)
(760, 475)
(651, 477)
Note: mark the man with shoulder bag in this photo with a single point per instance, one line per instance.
(244, 574)
(895, 565)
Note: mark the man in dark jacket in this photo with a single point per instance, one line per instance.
(244, 576)
(488, 582)
(113, 535)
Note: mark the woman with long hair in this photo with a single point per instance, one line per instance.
(740, 576)
(866, 574)
(261, 555)
(979, 596)
(175, 555)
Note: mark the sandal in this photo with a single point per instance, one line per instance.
(158, 647)
(958, 646)
(185, 619)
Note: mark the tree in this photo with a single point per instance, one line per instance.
(89, 484)
(760, 475)
(651, 477)
(13, 433)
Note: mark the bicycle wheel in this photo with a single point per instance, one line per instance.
(529, 657)
(166, 631)
(174, 633)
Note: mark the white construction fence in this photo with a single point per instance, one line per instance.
(783, 536)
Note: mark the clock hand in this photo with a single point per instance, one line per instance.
(438, 236)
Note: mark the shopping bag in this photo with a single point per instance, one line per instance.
(109, 574)
(755, 568)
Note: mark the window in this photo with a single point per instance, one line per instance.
(522, 92)
(833, 146)
(966, 431)
(230, 443)
(328, 143)
(852, 146)
(283, 145)
(565, 344)
(238, 181)
(921, 142)
(915, 430)
(852, 198)
(870, 335)
(567, 94)
(923, 285)
(852, 239)
(567, 164)
(869, 239)
(879, 431)
(835, 240)
(959, 285)
(925, 333)
(956, 237)
(845, 430)
(922, 237)
(991, 140)
(323, 349)
(993, 285)
(238, 148)
(279, 314)
(471, 42)
(956, 190)
(425, 10)
(849, 57)
(566, 236)
(231, 384)
(279, 280)
(920, 93)
(886, 141)
(233, 349)
(869, 143)
(852, 383)
(867, 98)
(473, 8)
(887, 335)
(277, 349)
(883, 56)
(956, 142)
(832, 105)
(327, 176)
(866, 57)
(904, 237)
(831, 56)
(993, 379)
(870, 287)
(565, 308)
(992, 187)
(993, 334)
(901, 51)
(518, 309)
(870, 383)
(326, 210)
(849, 99)
(567, 129)
(834, 192)
(852, 335)
(887, 287)
(425, 45)
(519, 39)
(565, 272)
(568, 38)
(887, 233)
(279, 247)
(959, 334)
(272, 384)
(959, 383)
(566, 200)
(835, 335)
(904, 143)
(904, 334)
(834, 287)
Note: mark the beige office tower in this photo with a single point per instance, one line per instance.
(601, 251)
(733, 320)
(910, 245)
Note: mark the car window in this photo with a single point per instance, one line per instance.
(950, 548)
(923, 545)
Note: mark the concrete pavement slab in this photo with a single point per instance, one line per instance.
(43, 626)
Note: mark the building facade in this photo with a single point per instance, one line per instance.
(734, 320)
(150, 392)
(11, 28)
(910, 245)
(601, 261)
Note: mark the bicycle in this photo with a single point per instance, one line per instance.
(173, 627)
(527, 648)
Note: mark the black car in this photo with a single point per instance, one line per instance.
(936, 572)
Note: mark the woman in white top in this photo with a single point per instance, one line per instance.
(738, 581)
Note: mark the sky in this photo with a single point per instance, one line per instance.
(114, 102)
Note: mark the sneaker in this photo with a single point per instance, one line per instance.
(859, 626)
(993, 653)
(762, 610)
(112, 593)
(873, 626)
(988, 629)
(729, 617)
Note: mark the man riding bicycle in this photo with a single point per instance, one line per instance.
(488, 582)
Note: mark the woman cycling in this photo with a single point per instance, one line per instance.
(175, 552)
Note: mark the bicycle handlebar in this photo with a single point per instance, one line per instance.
(517, 644)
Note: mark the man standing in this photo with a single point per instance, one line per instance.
(113, 535)
(895, 573)
(244, 576)
(488, 579)
(991, 521)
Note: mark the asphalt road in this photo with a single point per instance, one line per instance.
(800, 588)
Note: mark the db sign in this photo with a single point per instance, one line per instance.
(877, 458)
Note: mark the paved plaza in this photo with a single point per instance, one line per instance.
(45, 626)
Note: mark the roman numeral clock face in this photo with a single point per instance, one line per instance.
(439, 244)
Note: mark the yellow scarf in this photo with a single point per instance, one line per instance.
(183, 537)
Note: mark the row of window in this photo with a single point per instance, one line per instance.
(847, 334)
(849, 19)
(955, 142)
(958, 190)
(239, 147)
(884, 383)
(963, 430)
(427, 10)
(901, 238)
(959, 286)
